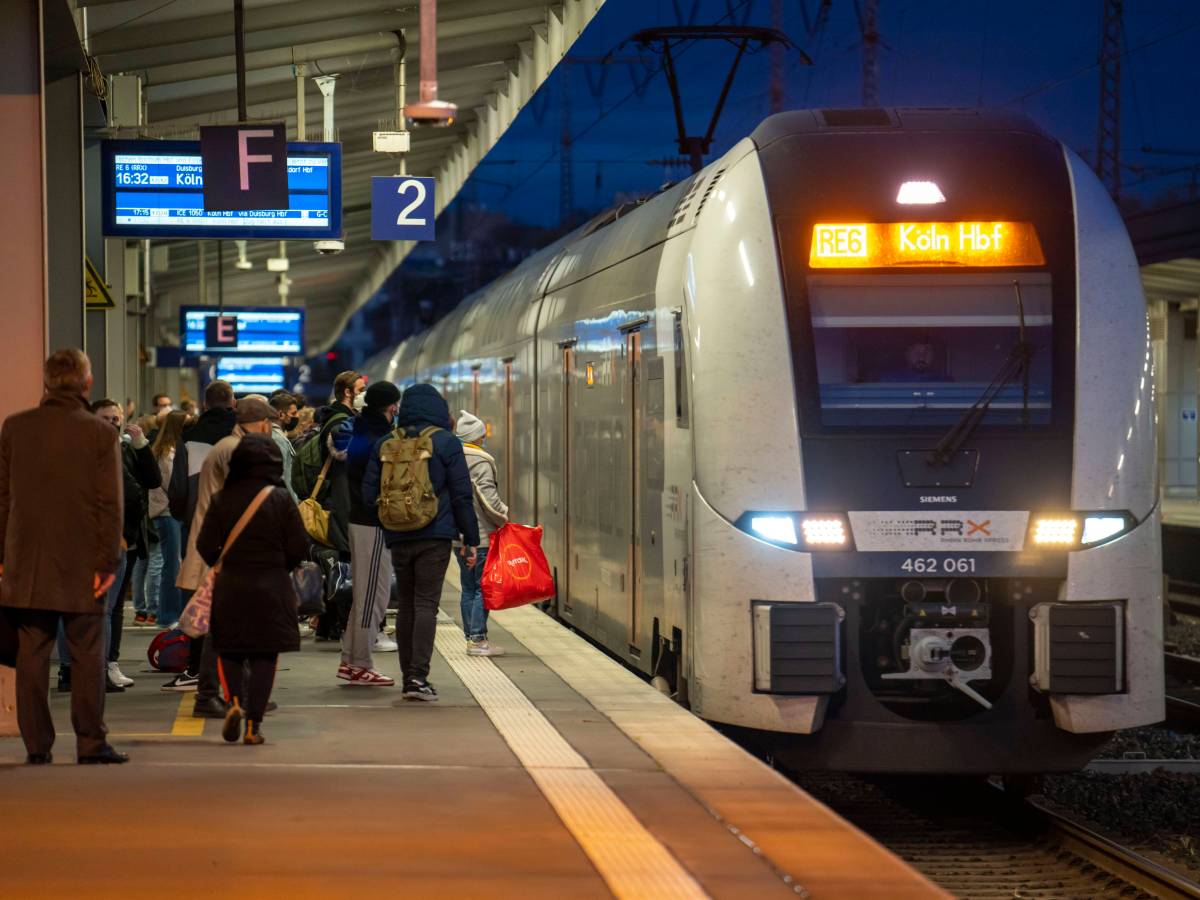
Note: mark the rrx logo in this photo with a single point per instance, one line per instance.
(947, 527)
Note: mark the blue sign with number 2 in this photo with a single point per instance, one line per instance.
(402, 208)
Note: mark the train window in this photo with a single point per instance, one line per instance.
(681, 395)
(911, 350)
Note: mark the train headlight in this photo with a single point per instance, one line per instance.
(1102, 527)
(776, 529)
(1081, 530)
(799, 531)
(1056, 531)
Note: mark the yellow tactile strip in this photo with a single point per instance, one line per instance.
(813, 850)
(632, 862)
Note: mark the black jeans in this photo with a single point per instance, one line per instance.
(117, 622)
(420, 570)
(248, 678)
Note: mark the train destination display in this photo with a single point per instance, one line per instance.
(156, 189)
(259, 331)
(875, 244)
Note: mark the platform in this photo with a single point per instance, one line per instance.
(550, 772)
(1182, 510)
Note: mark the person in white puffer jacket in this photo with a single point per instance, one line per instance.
(492, 512)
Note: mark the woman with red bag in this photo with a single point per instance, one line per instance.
(492, 512)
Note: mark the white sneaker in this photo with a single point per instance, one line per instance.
(116, 676)
(483, 648)
(305, 630)
(384, 644)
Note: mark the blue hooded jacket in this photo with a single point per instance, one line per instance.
(420, 407)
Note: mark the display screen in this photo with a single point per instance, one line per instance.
(252, 374)
(156, 189)
(871, 245)
(911, 350)
(260, 331)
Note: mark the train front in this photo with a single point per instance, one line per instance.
(974, 402)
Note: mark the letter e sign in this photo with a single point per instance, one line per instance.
(245, 167)
(221, 332)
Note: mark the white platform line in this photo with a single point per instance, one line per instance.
(632, 862)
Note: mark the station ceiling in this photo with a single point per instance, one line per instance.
(492, 57)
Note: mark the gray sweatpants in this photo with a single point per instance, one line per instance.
(371, 577)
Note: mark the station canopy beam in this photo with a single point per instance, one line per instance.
(493, 55)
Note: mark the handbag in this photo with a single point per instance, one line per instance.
(314, 516)
(196, 617)
(309, 582)
(516, 571)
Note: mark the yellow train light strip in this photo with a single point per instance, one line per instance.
(872, 245)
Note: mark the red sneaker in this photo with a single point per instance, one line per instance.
(371, 678)
(139, 619)
(346, 672)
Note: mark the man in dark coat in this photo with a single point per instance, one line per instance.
(371, 576)
(420, 557)
(60, 544)
(140, 475)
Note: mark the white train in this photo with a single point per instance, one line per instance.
(848, 438)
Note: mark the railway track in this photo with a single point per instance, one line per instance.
(976, 841)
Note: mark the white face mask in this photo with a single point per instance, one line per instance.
(360, 401)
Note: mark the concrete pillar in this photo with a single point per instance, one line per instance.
(23, 250)
(64, 211)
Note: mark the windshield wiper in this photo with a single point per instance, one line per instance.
(1017, 363)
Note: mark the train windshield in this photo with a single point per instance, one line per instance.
(919, 349)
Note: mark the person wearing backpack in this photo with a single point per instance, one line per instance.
(370, 572)
(417, 480)
(491, 512)
(254, 601)
(325, 452)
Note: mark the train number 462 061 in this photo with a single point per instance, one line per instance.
(920, 565)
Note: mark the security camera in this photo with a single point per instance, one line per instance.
(432, 114)
(329, 248)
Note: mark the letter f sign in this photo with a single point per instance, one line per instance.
(245, 168)
(245, 157)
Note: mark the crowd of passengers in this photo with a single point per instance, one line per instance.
(152, 505)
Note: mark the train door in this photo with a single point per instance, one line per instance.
(566, 557)
(508, 490)
(633, 399)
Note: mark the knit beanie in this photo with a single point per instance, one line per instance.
(382, 394)
(469, 428)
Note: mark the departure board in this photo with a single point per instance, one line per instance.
(256, 331)
(252, 374)
(156, 189)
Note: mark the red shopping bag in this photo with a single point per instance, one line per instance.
(516, 571)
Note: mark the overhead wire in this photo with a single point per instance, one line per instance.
(1083, 70)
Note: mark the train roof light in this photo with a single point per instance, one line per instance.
(920, 192)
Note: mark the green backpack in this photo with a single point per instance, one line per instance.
(407, 501)
(306, 467)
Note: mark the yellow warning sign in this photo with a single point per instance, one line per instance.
(95, 292)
